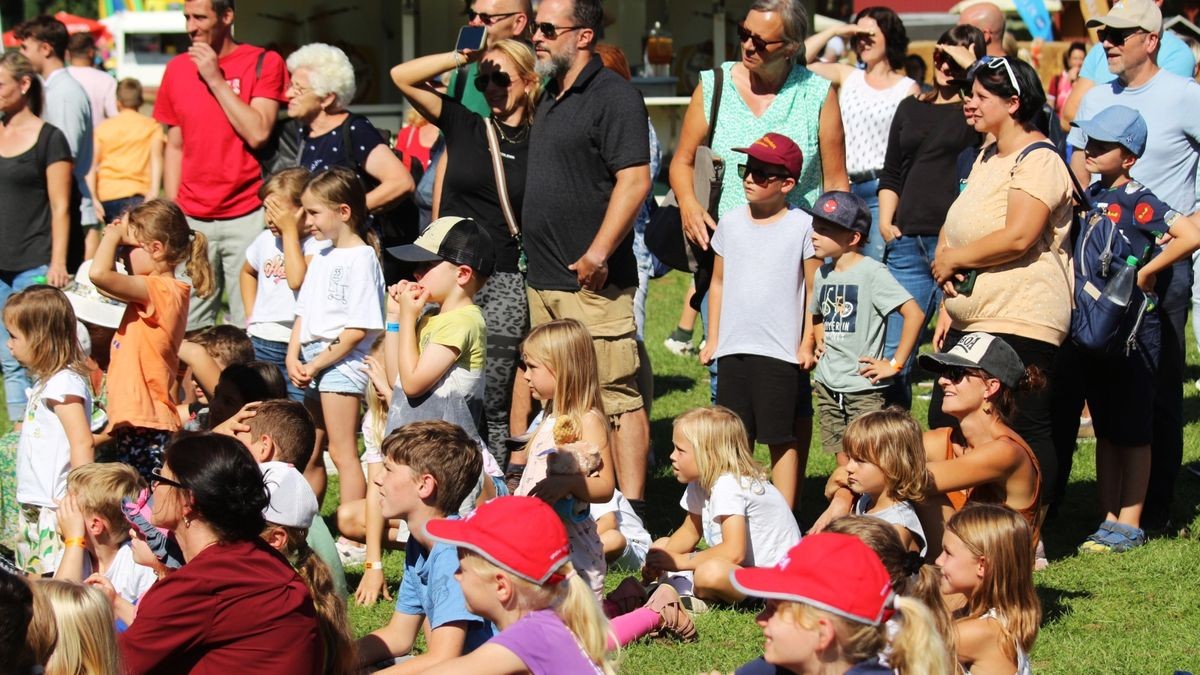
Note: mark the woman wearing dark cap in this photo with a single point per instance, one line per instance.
(236, 605)
(981, 459)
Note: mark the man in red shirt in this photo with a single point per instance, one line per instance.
(219, 102)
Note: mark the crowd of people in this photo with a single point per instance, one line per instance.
(195, 319)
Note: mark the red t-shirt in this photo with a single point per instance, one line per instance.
(234, 608)
(220, 176)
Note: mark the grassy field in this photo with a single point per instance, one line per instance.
(1137, 612)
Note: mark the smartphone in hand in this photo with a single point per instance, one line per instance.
(470, 37)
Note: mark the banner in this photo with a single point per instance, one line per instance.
(1036, 18)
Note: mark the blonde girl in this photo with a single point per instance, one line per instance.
(152, 240)
(730, 503)
(987, 556)
(72, 629)
(562, 373)
(339, 313)
(515, 572)
(828, 605)
(56, 434)
(884, 473)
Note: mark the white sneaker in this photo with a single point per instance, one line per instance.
(350, 552)
(679, 347)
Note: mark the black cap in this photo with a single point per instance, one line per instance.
(461, 241)
(979, 350)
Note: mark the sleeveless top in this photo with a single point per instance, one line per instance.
(1024, 667)
(795, 113)
(992, 493)
(867, 117)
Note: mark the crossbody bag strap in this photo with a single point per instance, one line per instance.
(501, 184)
(718, 85)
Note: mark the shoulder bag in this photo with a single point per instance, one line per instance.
(502, 192)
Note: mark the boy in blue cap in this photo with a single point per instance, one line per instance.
(1118, 385)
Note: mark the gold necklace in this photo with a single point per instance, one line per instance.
(518, 137)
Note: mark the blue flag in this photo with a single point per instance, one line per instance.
(1036, 18)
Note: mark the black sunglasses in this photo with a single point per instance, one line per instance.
(156, 478)
(550, 31)
(760, 176)
(760, 45)
(1117, 36)
(488, 19)
(496, 77)
(956, 374)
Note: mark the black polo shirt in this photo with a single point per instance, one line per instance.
(578, 144)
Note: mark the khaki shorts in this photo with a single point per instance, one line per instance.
(836, 410)
(608, 315)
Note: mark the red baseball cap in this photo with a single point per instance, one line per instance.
(834, 572)
(523, 535)
(777, 149)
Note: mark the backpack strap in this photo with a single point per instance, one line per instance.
(718, 85)
(258, 64)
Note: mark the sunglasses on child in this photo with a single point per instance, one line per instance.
(759, 44)
(496, 77)
(758, 175)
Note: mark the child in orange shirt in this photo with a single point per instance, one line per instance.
(152, 239)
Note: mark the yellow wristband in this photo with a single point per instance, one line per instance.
(74, 541)
(372, 565)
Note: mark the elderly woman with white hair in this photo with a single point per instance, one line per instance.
(322, 86)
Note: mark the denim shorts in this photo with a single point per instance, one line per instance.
(276, 353)
(344, 377)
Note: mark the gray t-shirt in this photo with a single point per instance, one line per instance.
(69, 109)
(1168, 103)
(853, 305)
(763, 288)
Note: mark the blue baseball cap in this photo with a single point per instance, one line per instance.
(843, 209)
(1117, 124)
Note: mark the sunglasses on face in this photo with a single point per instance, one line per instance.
(550, 31)
(156, 479)
(1117, 36)
(956, 374)
(488, 19)
(759, 44)
(996, 62)
(496, 77)
(758, 175)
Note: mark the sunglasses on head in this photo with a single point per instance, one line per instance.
(758, 174)
(760, 45)
(550, 31)
(1117, 36)
(496, 77)
(996, 62)
(488, 19)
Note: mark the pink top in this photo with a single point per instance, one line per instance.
(101, 91)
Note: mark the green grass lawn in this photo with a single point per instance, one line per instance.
(1137, 612)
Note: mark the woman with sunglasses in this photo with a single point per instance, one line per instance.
(919, 181)
(236, 605)
(1003, 260)
(868, 96)
(507, 80)
(322, 86)
(980, 459)
(765, 91)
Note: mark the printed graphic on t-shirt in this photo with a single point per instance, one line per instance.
(337, 285)
(839, 309)
(274, 270)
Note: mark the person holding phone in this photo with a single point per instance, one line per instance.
(1009, 225)
(500, 20)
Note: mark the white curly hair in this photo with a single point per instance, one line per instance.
(329, 71)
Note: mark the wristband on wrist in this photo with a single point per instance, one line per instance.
(74, 541)
(893, 363)
(373, 565)
(393, 327)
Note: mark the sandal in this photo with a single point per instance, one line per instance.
(1098, 541)
(628, 595)
(674, 621)
(1126, 538)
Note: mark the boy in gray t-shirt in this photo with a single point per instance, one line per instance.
(852, 297)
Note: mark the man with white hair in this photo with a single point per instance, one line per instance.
(219, 102)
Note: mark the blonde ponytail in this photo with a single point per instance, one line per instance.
(582, 615)
(198, 268)
(918, 646)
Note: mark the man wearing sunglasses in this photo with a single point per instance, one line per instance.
(1131, 35)
(589, 172)
(502, 20)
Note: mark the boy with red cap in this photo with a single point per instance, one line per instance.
(759, 333)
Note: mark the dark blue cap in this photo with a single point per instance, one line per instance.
(843, 209)
(1117, 124)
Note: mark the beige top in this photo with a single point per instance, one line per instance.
(1030, 296)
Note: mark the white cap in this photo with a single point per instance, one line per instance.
(293, 503)
(89, 304)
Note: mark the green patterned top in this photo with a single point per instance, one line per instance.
(795, 113)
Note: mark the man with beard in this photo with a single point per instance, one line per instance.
(589, 172)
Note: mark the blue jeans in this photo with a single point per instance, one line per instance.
(276, 353)
(868, 191)
(908, 259)
(15, 379)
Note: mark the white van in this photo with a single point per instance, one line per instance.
(143, 43)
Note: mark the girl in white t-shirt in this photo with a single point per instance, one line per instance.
(339, 313)
(56, 432)
(730, 503)
(276, 263)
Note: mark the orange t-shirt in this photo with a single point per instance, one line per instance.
(142, 376)
(123, 147)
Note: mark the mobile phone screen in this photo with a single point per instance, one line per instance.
(470, 37)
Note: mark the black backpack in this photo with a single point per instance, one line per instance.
(282, 150)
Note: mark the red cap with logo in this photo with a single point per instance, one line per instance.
(834, 572)
(779, 150)
(522, 535)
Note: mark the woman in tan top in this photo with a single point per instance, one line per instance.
(1006, 235)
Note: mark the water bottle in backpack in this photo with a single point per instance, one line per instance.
(1119, 288)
